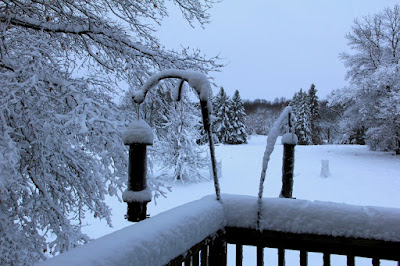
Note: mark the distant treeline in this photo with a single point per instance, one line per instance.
(261, 114)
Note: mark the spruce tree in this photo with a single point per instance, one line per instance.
(222, 124)
(238, 134)
(301, 109)
(314, 114)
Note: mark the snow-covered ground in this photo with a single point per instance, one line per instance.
(358, 176)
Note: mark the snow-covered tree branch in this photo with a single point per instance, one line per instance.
(61, 151)
(372, 110)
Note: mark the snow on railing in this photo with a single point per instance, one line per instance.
(273, 134)
(154, 241)
(199, 82)
(314, 217)
(169, 235)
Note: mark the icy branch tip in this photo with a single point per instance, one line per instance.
(196, 80)
(289, 138)
(138, 132)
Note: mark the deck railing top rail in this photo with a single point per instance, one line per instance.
(162, 238)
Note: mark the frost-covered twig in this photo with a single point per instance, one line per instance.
(157, 186)
(272, 136)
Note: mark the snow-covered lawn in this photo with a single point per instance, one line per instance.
(358, 176)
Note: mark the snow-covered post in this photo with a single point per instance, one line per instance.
(289, 141)
(138, 136)
(272, 136)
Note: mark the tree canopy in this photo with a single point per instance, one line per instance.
(371, 101)
(60, 146)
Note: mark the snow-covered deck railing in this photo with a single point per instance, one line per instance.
(191, 233)
(154, 241)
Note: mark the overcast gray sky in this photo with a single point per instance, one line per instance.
(274, 47)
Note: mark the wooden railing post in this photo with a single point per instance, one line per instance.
(218, 251)
(138, 136)
(289, 142)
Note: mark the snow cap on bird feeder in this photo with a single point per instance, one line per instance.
(138, 132)
(290, 139)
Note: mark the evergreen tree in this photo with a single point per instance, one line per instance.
(314, 115)
(176, 148)
(222, 124)
(301, 108)
(238, 134)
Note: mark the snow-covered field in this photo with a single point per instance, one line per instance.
(358, 176)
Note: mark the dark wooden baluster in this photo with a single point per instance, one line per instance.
(281, 257)
(187, 261)
(375, 262)
(350, 260)
(327, 259)
(239, 255)
(303, 258)
(260, 256)
(217, 256)
(204, 255)
(195, 259)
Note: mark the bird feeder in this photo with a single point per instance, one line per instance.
(138, 136)
(289, 141)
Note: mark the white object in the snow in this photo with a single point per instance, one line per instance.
(325, 169)
(289, 138)
(138, 132)
(144, 195)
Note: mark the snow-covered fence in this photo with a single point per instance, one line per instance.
(200, 230)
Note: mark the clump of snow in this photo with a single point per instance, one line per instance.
(138, 132)
(314, 217)
(289, 138)
(196, 80)
(154, 241)
(144, 195)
